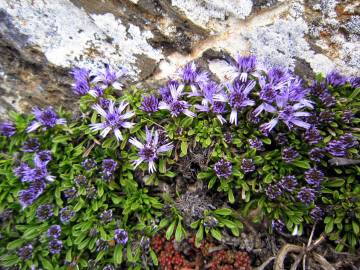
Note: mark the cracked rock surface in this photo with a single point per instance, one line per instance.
(40, 40)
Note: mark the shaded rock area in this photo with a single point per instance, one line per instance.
(41, 40)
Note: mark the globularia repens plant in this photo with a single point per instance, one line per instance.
(82, 190)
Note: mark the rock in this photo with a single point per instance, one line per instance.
(41, 40)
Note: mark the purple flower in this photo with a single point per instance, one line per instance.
(256, 144)
(22, 170)
(335, 79)
(273, 191)
(80, 180)
(287, 113)
(103, 102)
(70, 193)
(88, 164)
(223, 168)
(354, 81)
(46, 118)
(314, 176)
(109, 166)
(31, 145)
(279, 77)
(25, 252)
(101, 245)
(348, 116)
(281, 139)
(306, 195)
(44, 212)
(150, 104)
(317, 88)
(55, 246)
(289, 154)
(228, 138)
(106, 216)
(337, 148)
(327, 99)
(121, 236)
(66, 214)
(97, 91)
(40, 172)
(316, 154)
(110, 76)
(312, 136)
(38, 186)
(91, 190)
(114, 120)
(349, 140)
(42, 158)
(149, 151)
(208, 103)
(109, 267)
(26, 197)
(7, 128)
(243, 67)
(247, 165)
(173, 103)
(317, 214)
(288, 183)
(81, 84)
(278, 225)
(165, 91)
(237, 97)
(54, 231)
(326, 117)
(193, 77)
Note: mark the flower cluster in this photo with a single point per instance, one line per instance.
(260, 139)
(37, 177)
(46, 118)
(149, 151)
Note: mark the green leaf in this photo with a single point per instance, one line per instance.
(354, 94)
(204, 175)
(9, 260)
(268, 178)
(178, 233)
(154, 257)
(231, 196)
(266, 140)
(163, 223)
(60, 139)
(329, 227)
(334, 183)
(199, 235)
(186, 122)
(212, 182)
(355, 227)
(162, 166)
(302, 164)
(223, 211)
(170, 174)
(184, 148)
(46, 264)
(15, 244)
(194, 224)
(79, 205)
(100, 255)
(228, 223)
(118, 254)
(68, 256)
(216, 234)
(170, 230)
(129, 254)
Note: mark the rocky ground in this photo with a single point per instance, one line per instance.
(40, 40)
